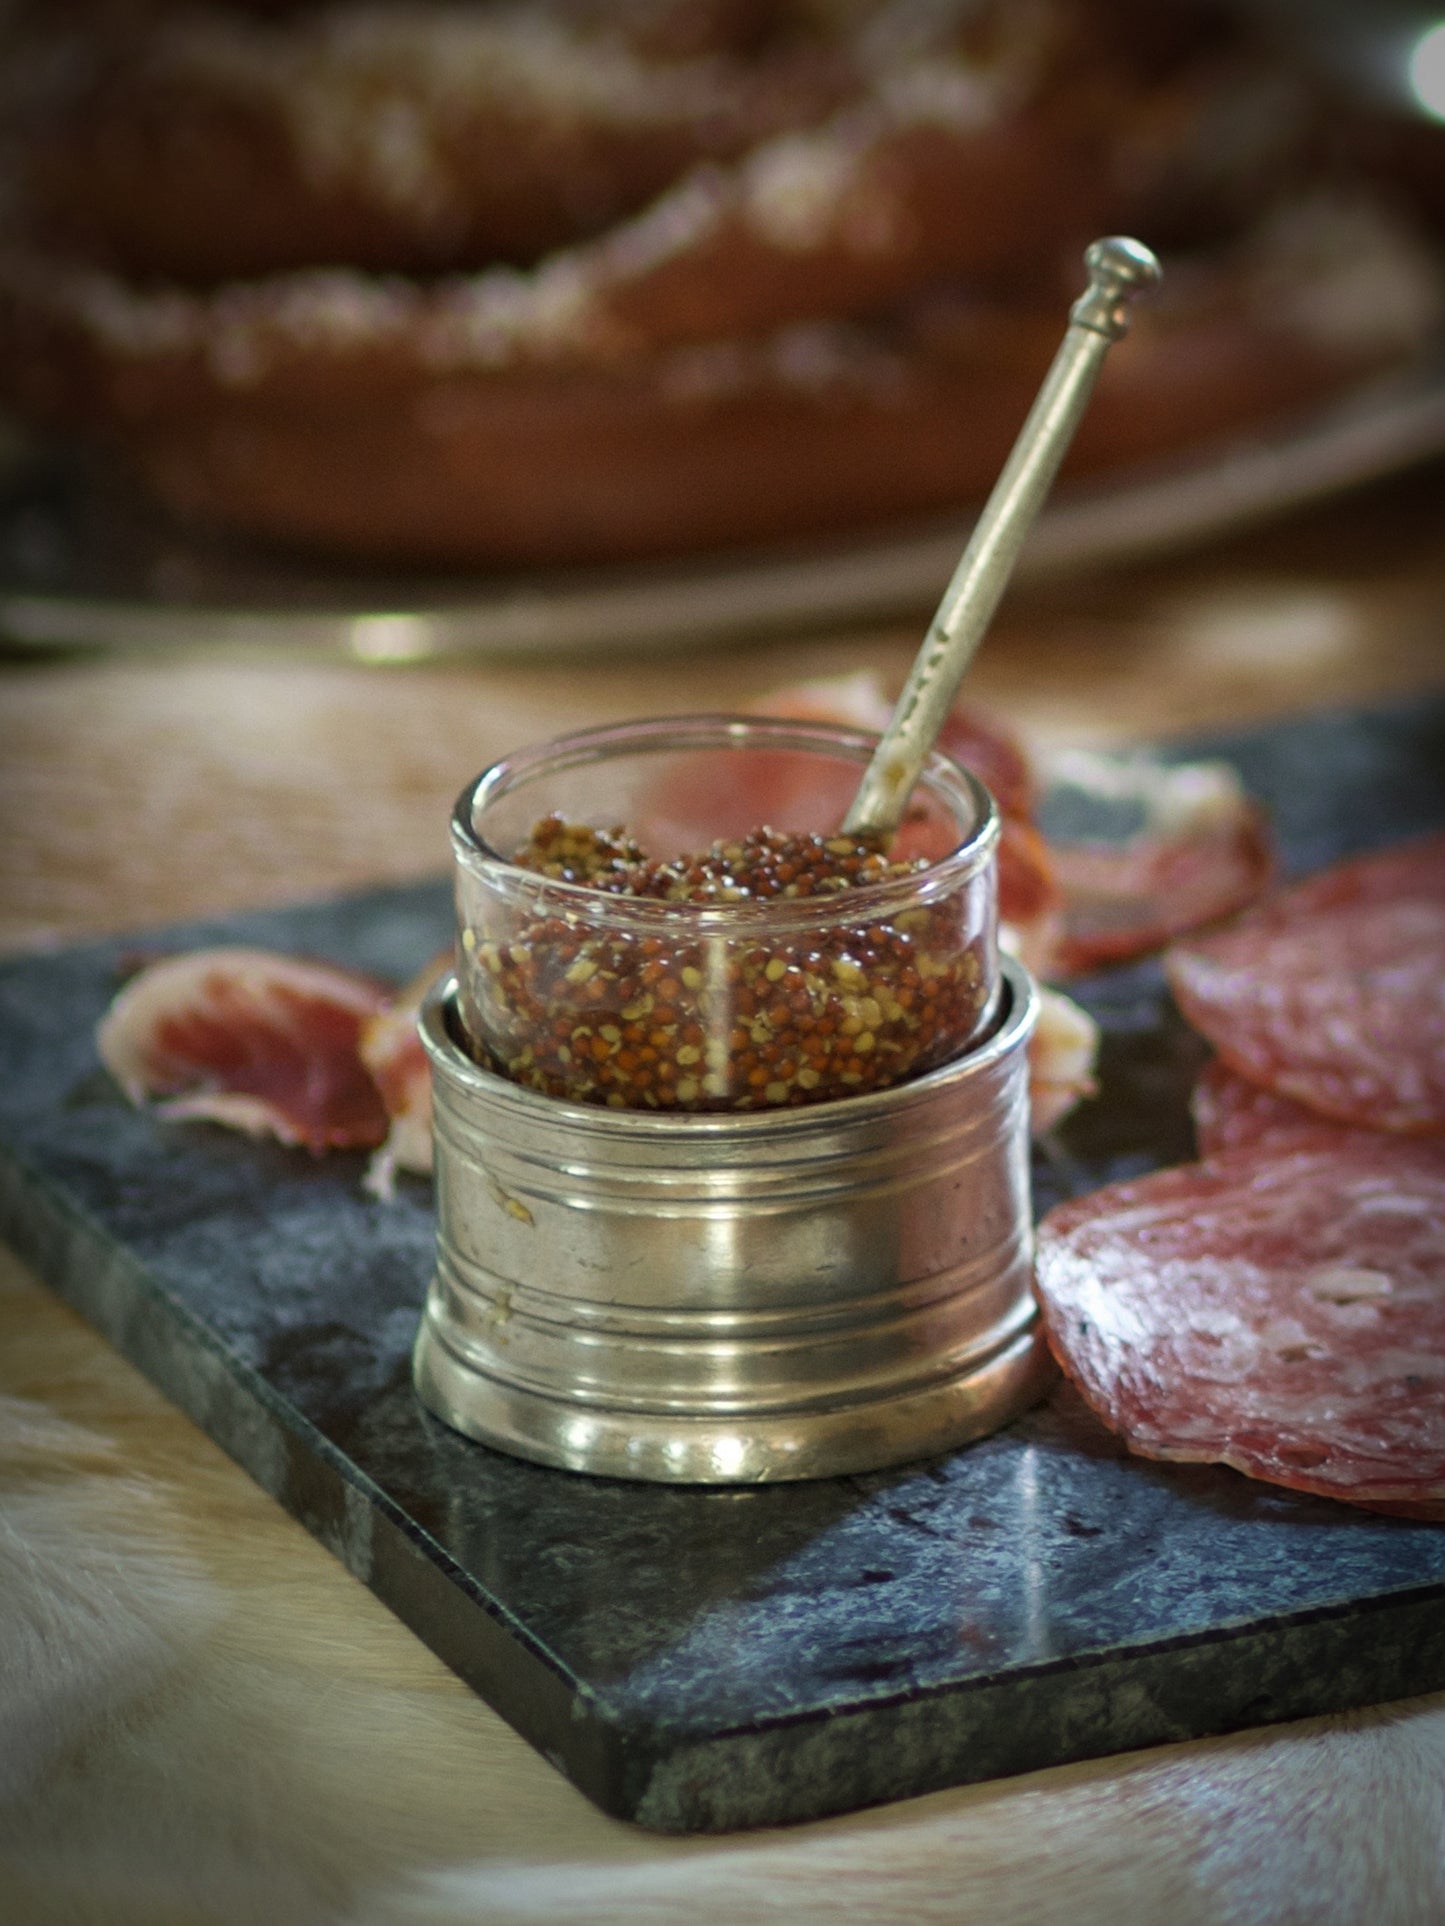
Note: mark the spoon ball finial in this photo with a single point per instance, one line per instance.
(1120, 269)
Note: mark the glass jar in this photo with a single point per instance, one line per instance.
(601, 996)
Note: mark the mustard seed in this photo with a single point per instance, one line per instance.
(678, 1021)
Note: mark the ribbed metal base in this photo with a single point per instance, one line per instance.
(676, 1448)
(732, 1299)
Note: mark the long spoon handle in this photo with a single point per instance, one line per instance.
(1119, 270)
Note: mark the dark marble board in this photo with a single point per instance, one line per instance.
(707, 1659)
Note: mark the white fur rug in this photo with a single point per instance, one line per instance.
(204, 1719)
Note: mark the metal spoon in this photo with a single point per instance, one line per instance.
(1119, 270)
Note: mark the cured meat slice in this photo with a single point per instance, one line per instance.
(1229, 1112)
(1198, 848)
(861, 701)
(1282, 1312)
(1201, 851)
(1063, 1056)
(391, 1048)
(1028, 897)
(259, 1041)
(1333, 991)
(998, 759)
(1030, 904)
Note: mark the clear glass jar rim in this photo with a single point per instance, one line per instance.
(947, 779)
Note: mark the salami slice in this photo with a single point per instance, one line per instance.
(1282, 1312)
(258, 1041)
(1333, 991)
(1229, 1112)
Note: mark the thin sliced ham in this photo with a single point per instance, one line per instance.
(1063, 1057)
(255, 1040)
(1029, 903)
(391, 1048)
(1281, 1311)
(860, 701)
(1201, 851)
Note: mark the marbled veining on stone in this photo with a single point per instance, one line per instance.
(700, 1659)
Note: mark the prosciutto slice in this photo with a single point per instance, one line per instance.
(1199, 848)
(1063, 1057)
(1029, 904)
(258, 1041)
(1281, 1311)
(391, 1048)
(1201, 851)
(860, 701)
(1332, 992)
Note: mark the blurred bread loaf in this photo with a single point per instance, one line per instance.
(569, 282)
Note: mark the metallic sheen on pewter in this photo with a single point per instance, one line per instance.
(725, 1299)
